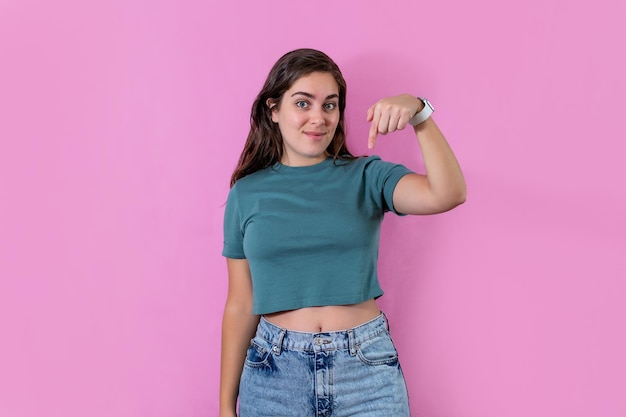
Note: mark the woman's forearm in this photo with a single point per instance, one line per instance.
(238, 327)
(445, 178)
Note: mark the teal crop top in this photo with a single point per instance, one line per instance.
(310, 234)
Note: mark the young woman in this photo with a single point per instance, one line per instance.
(302, 334)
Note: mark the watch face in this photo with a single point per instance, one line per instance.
(427, 103)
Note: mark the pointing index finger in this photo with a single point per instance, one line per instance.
(374, 116)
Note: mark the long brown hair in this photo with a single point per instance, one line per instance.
(264, 146)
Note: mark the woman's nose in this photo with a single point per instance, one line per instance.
(317, 116)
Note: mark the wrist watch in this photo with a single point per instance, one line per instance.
(422, 115)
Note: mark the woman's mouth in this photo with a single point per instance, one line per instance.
(315, 135)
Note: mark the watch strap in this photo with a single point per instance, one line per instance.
(422, 115)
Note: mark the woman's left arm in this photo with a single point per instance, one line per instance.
(443, 186)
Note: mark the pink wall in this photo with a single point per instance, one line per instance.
(121, 121)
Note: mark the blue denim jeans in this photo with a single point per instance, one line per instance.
(353, 372)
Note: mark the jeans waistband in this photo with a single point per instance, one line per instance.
(283, 339)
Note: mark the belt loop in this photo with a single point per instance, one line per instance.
(279, 343)
(386, 321)
(351, 342)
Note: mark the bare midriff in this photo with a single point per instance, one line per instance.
(326, 318)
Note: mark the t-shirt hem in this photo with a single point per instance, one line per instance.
(315, 302)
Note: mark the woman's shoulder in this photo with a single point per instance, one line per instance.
(259, 182)
(358, 161)
(253, 178)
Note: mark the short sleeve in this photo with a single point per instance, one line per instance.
(382, 179)
(233, 230)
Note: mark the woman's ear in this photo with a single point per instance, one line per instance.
(272, 106)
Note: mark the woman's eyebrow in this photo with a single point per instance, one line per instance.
(309, 95)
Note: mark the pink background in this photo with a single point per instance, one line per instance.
(121, 122)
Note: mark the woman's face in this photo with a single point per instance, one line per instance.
(307, 118)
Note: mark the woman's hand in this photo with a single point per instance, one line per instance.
(391, 114)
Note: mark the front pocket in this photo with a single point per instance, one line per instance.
(258, 355)
(378, 350)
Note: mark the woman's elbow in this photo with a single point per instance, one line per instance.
(461, 196)
(452, 200)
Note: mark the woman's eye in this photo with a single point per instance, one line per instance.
(302, 104)
(331, 106)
